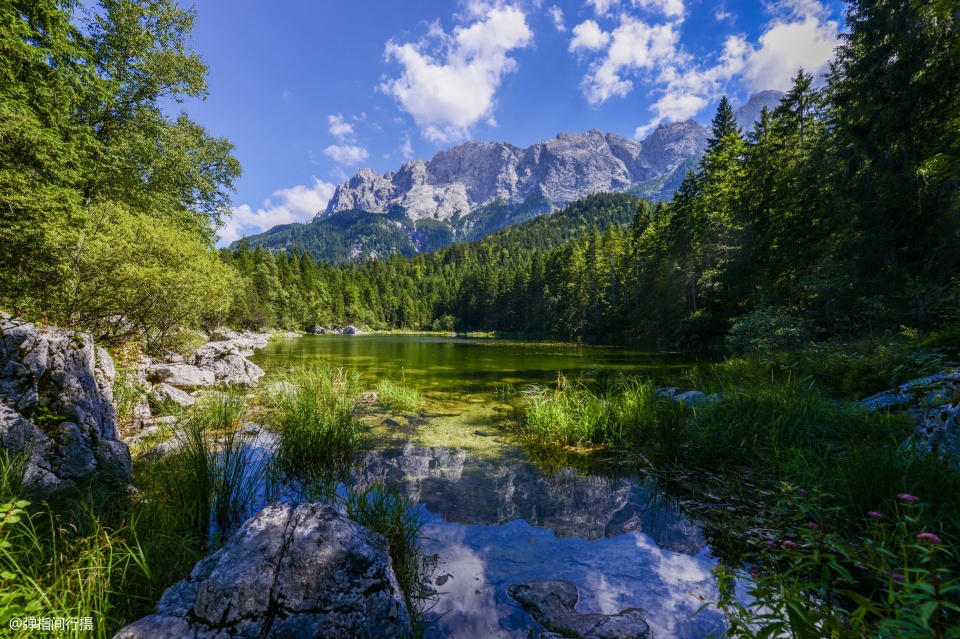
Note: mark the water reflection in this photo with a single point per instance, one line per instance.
(490, 515)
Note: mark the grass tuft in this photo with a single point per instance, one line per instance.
(396, 397)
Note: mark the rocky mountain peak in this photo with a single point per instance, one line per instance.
(570, 166)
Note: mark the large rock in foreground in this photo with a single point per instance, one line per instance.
(553, 605)
(56, 406)
(290, 571)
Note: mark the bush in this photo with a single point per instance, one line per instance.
(764, 332)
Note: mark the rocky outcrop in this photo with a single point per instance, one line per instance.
(934, 402)
(226, 362)
(290, 571)
(553, 605)
(56, 406)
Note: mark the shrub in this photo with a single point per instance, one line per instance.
(764, 332)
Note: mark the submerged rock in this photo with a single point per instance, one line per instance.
(56, 406)
(553, 605)
(290, 571)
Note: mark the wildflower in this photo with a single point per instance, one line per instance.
(813, 526)
(906, 497)
(875, 515)
(933, 539)
(802, 491)
(895, 576)
(789, 544)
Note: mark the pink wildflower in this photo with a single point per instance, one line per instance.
(933, 539)
(910, 499)
(875, 515)
(813, 526)
(789, 544)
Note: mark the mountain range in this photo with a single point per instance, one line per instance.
(476, 188)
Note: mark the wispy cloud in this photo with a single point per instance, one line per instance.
(556, 14)
(449, 81)
(346, 154)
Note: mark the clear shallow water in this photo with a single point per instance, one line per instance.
(492, 517)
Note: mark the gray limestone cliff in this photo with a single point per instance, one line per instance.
(562, 170)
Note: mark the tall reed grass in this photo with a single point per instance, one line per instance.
(312, 411)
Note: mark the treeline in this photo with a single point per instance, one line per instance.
(838, 214)
(108, 204)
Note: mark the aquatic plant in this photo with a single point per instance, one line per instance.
(396, 397)
(312, 411)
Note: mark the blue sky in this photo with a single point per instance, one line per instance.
(309, 91)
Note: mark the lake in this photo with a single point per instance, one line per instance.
(492, 515)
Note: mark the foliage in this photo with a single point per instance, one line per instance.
(808, 582)
(108, 205)
(763, 332)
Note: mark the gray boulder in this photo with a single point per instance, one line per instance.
(553, 605)
(933, 390)
(227, 364)
(290, 571)
(351, 330)
(167, 394)
(222, 334)
(932, 402)
(183, 376)
(56, 406)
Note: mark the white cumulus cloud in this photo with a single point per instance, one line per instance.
(798, 33)
(451, 86)
(633, 46)
(285, 206)
(346, 154)
(588, 35)
(788, 44)
(338, 127)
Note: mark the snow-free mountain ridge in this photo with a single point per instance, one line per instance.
(476, 188)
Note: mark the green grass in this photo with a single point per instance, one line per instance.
(620, 411)
(213, 475)
(312, 411)
(396, 397)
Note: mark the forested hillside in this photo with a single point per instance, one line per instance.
(837, 215)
